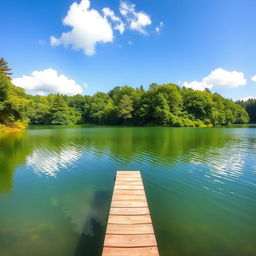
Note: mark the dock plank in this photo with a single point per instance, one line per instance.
(128, 183)
(121, 229)
(129, 230)
(129, 211)
(126, 204)
(137, 240)
(128, 192)
(143, 251)
(128, 178)
(128, 219)
(129, 198)
(129, 187)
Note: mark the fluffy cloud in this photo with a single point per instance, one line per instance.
(47, 81)
(224, 78)
(248, 98)
(219, 78)
(136, 20)
(89, 27)
(254, 78)
(197, 85)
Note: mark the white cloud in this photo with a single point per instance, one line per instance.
(218, 78)
(89, 27)
(136, 20)
(254, 78)
(196, 85)
(248, 98)
(47, 81)
(158, 28)
(118, 23)
(225, 79)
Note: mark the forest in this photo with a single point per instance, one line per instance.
(250, 106)
(164, 105)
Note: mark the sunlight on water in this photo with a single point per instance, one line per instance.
(56, 185)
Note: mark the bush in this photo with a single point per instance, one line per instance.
(199, 123)
(21, 125)
(188, 123)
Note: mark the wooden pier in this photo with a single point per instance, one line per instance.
(129, 229)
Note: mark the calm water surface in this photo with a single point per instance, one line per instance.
(56, 185)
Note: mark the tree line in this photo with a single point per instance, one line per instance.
(165, 105)
(250, 106)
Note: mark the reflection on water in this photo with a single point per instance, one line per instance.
(92, 235)
(73, 207)
(228, 166)
(221, 164)
(57, 183)
(50, 161)
(13, 150)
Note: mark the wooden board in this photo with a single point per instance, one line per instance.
(140, 251)
(129, 230)
(130, 211)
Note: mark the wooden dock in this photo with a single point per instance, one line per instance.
(129, 229)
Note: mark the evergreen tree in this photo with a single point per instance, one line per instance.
(4, 68)
(250, 106)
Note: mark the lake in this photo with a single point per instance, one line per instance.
(56, 185)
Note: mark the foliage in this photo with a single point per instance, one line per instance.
(4, 69)
(250, 107)
(100, 109)
(125, 107)
(13, 103)
(165, 105)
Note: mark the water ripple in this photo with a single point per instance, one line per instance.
(50, 161)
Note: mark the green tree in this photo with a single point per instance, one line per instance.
(198, 104)
(250, 107)
(165, 104)
(118, 92)
(160, 104)
(4, 87)
(125, 108)
(13, 103)
(161, 113)
(61, 114)
(172, 93)
(4, 68)
(101, 109)
(77, 103)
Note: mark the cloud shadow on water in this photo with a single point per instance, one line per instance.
(92, 237)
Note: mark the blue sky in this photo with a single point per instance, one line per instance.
(212, 43)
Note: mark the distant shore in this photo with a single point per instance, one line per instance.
(7, 129)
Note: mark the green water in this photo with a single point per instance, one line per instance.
(56, 185)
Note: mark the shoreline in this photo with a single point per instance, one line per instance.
(7, 129)
(10, 129)
(130, 125)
